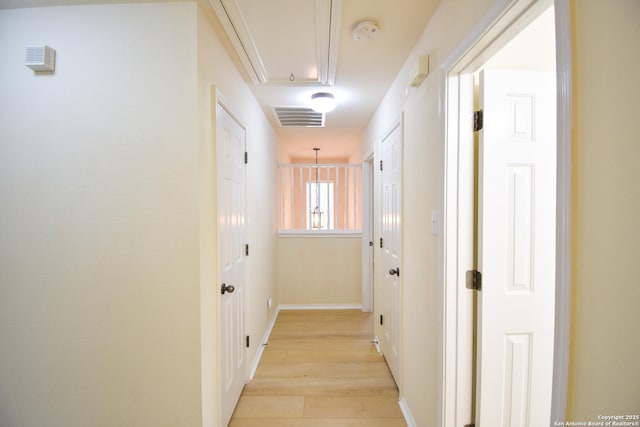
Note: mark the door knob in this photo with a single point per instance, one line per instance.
(395, 271)
(227, 288)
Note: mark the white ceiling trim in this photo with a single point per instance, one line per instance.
(328, 19)
(236, 28)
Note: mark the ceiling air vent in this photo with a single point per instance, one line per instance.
(299, 117)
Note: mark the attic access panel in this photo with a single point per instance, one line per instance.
(284, 34)
(276, 39)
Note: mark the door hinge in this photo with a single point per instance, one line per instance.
(247, 341)
(381, 242)
(246, 250)
(370, 243)
(469, 425)
(474, 280)
(380, 164)
(246, 157)
(381, 319)
(477, 120)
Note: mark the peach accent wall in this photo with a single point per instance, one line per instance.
(347, 182)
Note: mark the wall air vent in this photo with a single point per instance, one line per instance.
(40, 58)
(299, 117)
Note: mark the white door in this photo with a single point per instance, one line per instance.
(391, 156)
(516, 242)
(231, 187)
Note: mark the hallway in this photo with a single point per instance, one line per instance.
(320, 369)
(111, 262)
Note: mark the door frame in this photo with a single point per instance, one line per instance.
(224, 105)
(368, 215)
(505, 19)
(209, 271)
(379, 271)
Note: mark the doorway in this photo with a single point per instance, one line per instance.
(231, 239)
(391, 246)
(496, 222)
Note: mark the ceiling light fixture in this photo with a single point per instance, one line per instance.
(323, 102)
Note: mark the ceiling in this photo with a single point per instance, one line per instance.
(290, 49)
(312, 40)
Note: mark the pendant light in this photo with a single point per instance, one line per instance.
(316, 214)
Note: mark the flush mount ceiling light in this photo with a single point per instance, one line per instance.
(323, 102)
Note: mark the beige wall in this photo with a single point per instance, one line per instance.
(320, 270)
(605, 330)
(217, 73)
(605, 340)
(99, 246)
(107, 255)
(422, 193)
(101, 221)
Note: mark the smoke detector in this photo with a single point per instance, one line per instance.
(365, 30)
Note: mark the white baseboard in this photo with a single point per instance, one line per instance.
(320, 307)
(263, 343)
(406, 412)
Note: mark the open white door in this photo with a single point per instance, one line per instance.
(391, 232)
(516, 242)
(231, 187)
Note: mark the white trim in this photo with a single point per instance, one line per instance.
(469, 55)
(492, 31)
(480, 29)
(367, 233)
(318, 233)
(456, 397)
(208, 279)
(235, 26)
(406, 412)
(562, 337)
(220, 100)
(263, 343)
(379, 273)
(328, 39)
(320, 307)
(328, 16)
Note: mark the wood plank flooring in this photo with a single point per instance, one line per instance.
(320, 369)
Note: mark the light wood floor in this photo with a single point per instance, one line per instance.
(320, 369)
